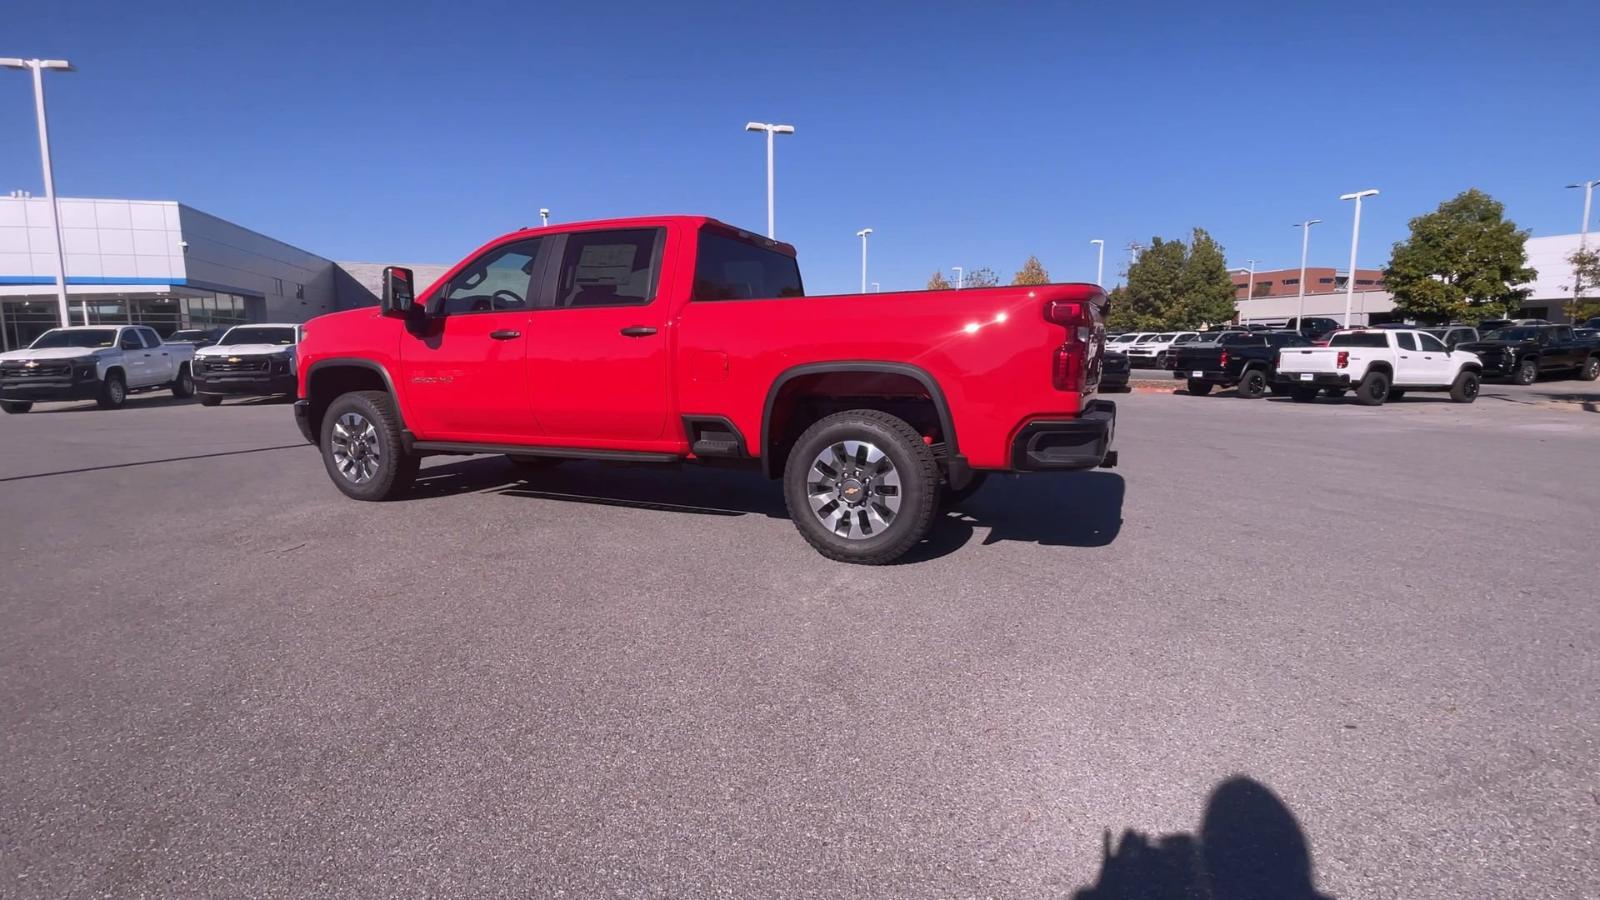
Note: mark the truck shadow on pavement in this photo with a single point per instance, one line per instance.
(1077, 509)
(1249, 847)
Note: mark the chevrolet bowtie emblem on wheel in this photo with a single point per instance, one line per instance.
(852, 490)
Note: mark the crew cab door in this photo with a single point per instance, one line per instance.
(162, 367)
(135, 358)
(1441, 368)
(598, 353)
(464, 366)
(1563, 350)
(1409, 365)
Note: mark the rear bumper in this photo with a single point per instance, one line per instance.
(1316, 379)
(1055, 445)
(34, 391)
(255, 385)
(302, 420)
(1206, 377)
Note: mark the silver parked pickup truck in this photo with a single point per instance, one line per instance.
(103, 363)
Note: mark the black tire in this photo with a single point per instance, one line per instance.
(183, 385)
(1465, 388)
(1303, 394)
(1160, 361)
(950, 498)
(532, 462)
(1527, 372)
(912, 462)
(1373, 389)
(113, 392)
(16, 407)
(1396, 393)
(1336, 393)
(1252, 384)
(392, 472)
(1200, 388)
(210, 399)
(1590, 370)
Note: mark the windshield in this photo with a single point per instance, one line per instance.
(79, 337)
(188, 336)
(1167, 337)
(1512, 334)
(283, 337)
(1125, 339)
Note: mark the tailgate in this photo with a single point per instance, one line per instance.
(1308, 359)
(1199, 359)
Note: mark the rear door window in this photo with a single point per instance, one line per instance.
(1406, 341)
(609, 268)
(730, 269)
(1360, 339)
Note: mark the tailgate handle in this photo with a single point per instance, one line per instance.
(638, 331)
(505, 334)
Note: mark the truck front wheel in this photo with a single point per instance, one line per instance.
(361, 447)
(862, 486)
(1591, 369)
(1527, 372)
(1465, 388)
(183, 385)
(113, 391)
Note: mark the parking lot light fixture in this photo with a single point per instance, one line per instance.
(1305, 244)
(863, 235)
(959, 275)
(1100, 266)
(1355, 238)
(544, 217)
(771, 130)
(38, 66)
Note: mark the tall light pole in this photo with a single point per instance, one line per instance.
(38, 66)
(1250, 286)
(877, 288)
(1583, 233)
(959, 274)
(1305, 245)
(1100, 267)
(771, 130)
(1355, 237)
(863, 235)
(544, 217)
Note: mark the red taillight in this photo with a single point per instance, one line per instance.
(1222, 362)
(1344, 359)
(1069, 365)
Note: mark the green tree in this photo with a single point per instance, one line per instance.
(1205, 290)
(1031, 273)
(1465, 257)
(1154, 280)
(1585, 277)
(937, 282)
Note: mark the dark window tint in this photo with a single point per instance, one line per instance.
(1287, 340)
(1561, 333)
(1360, 339)
(1406, 340)
(130, 340)
(730, 269)
(89, 337)
(256, 334)
(1431, 343)
(497, 281)
(609, 268)
(1242, 337)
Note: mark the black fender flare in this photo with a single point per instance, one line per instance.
(940, 404)
(359, 363)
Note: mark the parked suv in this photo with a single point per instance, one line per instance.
(250, 360)
(103, 363)
(1522, 353)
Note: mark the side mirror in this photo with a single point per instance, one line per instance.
(399, 291)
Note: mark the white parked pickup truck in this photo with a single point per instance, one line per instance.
(1379, 365)
(103, 363)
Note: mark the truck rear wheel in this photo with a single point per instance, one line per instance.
(1465, 388)
(16, 407)
(1373, 389)
(113, 391)
(1527, 372)
(1199, 388)
(1252, 384)
(861, 486)
(361, 447)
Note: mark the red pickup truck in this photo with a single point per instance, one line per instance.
(680, 338)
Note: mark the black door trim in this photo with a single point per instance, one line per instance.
(466, 448)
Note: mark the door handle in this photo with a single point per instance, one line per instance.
(505, 334)
(638, 331)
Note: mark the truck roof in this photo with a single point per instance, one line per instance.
(655, 222)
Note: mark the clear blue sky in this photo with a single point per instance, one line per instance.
(962, 133)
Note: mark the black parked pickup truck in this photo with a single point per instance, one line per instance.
(1524, 352)
(1113, 371)
(1244, 359)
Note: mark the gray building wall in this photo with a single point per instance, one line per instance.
(360, 283)
(292, 285)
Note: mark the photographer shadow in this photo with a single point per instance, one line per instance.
(1250, 847)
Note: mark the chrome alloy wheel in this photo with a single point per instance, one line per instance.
(854, 489)
(355, 446)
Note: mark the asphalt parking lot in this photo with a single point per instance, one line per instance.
(221, 677)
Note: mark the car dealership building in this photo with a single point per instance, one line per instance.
(163, 264)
